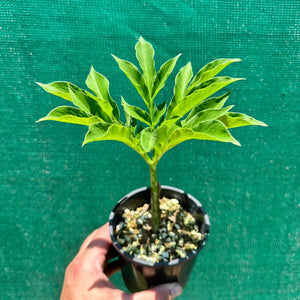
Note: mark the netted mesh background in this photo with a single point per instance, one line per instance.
(55, 192)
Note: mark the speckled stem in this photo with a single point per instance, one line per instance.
(154, 199)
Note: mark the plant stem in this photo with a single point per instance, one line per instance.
(154, 199)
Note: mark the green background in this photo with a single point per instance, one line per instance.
(54, 192)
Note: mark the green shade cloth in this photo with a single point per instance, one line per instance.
(55, 192)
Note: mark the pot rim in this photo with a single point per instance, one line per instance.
(159, 264)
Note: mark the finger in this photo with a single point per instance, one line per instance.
(87, 241)
(166, 291)
(100, 240)
(90, 242)
(101, 233)
(95, 248)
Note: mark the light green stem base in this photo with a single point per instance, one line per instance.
(154, 199)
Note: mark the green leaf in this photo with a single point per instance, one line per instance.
(70, 114)
(136, 78)
(136, 112)
(173, 127)
(106, 107)
(59, 88)
(99, 85)
(214, 102)
(181, 82)
(210, 70)
(159, 112)
(217, 131)
(145, 54)
(163, 74)
(148, 139)
(113, 132)
(130, 122)
(204, 91)
(232, 119)
(88, 104)
(210, 130)
(206, 115)
(161, 135)
(106, 131)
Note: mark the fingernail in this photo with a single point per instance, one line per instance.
(175, 289)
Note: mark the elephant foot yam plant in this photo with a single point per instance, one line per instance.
(154, 128)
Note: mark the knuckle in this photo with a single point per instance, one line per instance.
(74, 268)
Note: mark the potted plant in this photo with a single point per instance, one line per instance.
(157, 231)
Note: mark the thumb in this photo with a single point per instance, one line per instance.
(166, 291)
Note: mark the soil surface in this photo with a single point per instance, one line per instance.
(178, 234)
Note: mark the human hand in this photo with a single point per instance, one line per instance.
(87, 276)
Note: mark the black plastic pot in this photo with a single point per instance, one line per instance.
(139, 274)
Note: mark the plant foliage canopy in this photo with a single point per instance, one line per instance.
(191, 114)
